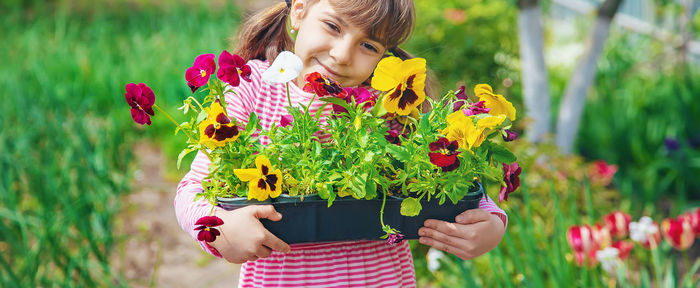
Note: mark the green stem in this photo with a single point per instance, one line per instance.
(381, 212)
(656, 261)
(178, 126)
(289, 98)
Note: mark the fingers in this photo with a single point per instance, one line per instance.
(473, 216)
(442, 246)
(452, 229)
(263, 252)
(267, 211)
(275, 243)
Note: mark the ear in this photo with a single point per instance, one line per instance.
(297, 13)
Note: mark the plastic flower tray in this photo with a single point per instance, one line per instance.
(311, 220)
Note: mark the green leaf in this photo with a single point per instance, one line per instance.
(252, 124)
(398, 152)
(182, 155)
(501, 154)
(410, 207)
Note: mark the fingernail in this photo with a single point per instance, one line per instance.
(460, 218)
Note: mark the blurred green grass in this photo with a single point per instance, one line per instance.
(66, 131)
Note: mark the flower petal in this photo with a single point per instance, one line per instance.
(285, 68)
(247, 174)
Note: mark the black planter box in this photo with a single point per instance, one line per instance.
(312, 220)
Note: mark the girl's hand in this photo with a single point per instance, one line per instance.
(243, 238)
(476, 232)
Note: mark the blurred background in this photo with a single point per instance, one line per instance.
(608, 99)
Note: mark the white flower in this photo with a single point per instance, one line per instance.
(286, 67)
(608, 258)
(640, 231)
(433, 259)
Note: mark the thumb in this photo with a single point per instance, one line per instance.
(473, 216)
(267, 211)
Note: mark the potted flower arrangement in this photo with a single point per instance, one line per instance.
(375, 168)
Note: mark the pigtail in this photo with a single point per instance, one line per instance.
(264, 35)
(432, 87)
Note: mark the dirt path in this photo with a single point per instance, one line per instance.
(155, 251)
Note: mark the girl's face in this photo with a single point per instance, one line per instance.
(331, 46)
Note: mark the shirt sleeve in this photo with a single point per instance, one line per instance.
(487, 204)
(240, 101)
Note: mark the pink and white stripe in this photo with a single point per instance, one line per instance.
(334, 264)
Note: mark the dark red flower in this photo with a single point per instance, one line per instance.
(476, 108)
(198, 75)
(394, 238)
(232, 68)
(509, 135)
(141, 99)
(361, 96)
(207, 232)
(446, 157)
(461, 98)
(322, 86)
(393, 137)
(511, 175)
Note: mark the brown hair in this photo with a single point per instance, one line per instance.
(390, 22)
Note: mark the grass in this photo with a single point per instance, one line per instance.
(65, 129)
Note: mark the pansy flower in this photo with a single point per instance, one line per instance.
(511, 176)
(362, 98)
(394, 238)
(393, 137)
(444, 154)
(232, 68)
(217, 129)
(404, 82)
(262, 181)
(198, 75)
(285, 68)
(496, 102)
(323, 86)
(141, 99)
(207, 232)
(286, 120)
(461, 98)
(476, 108)
(469, 135)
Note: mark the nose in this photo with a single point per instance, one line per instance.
(341, 51)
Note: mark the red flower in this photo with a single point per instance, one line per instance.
(601, 173)
(476, 108)
(678, 232)
(394, 238)
(582, 242)
(198, 75)
(625, 247)
(694, 218)
(618, 223)
(361, 96)
(511, 175)
(322, 86)
(461, 98)
(446, 158)
(207, 232)
(141, 99)
(509, 135)
(286, 120)
(393, 137)
(232, 68)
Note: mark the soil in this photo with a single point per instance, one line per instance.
(155, 251)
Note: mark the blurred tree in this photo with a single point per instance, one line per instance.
(582, 78)
(534, 72)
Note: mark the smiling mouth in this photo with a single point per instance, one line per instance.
(329, 72)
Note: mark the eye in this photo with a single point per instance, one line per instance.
(332, 26)
(370, 47)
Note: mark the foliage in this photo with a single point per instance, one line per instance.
(65, 149)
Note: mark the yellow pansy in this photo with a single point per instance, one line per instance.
(496, 102)
(262, 181)
(462, 129)
(217, 129)
(404, 82)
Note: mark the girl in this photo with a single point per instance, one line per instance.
(343, 39)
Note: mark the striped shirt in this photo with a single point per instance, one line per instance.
(330, 264)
